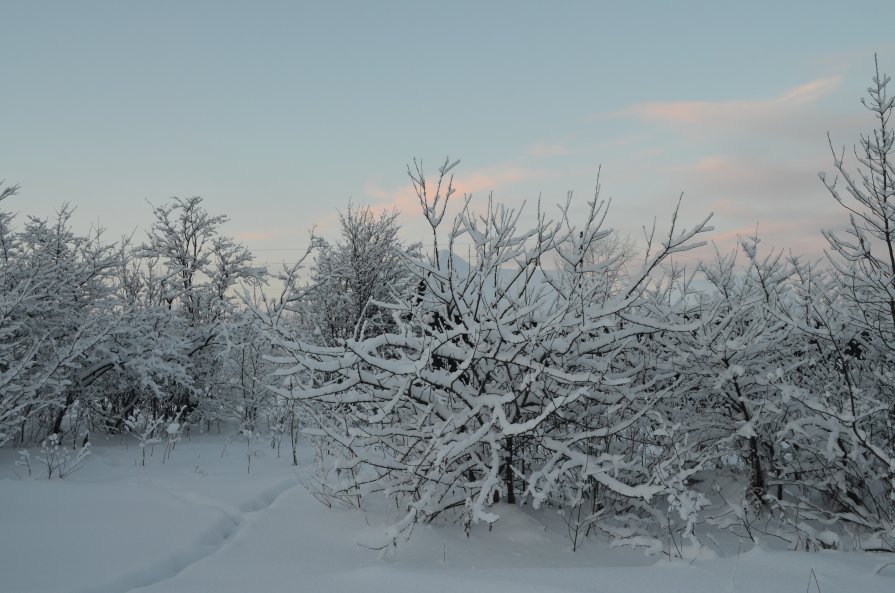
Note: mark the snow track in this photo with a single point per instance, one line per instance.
(235, 518)
(200, 524)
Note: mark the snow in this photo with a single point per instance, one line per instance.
(200, 523)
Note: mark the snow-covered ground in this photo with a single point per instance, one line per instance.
(200, 523)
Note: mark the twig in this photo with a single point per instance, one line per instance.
(816, 584)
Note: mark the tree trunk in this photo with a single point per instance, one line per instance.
(508, 471)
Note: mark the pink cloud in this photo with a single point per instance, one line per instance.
(786, 201)
(715, 165)
(477, 182)
(748, 160)
(810, 91)
(497, 177)
(403, 199)
(784, 197)
(487, 179)
(739, 111)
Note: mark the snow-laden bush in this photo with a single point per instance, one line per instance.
(58, 460)
(507, 377)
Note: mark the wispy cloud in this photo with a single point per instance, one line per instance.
(858, 58)
(487, 179)
(786, 202)
(752, 161)
(499, 177)
(504, 179)
(737, 112)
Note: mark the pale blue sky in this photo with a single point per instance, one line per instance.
(279, 113)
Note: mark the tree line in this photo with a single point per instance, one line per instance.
(556, 366)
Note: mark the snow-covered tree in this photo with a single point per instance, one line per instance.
(56, 309)
(503, 379)
(351, 276)
(734, 364)
(191, 269)
(854, 320)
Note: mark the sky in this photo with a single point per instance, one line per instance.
(281, 113)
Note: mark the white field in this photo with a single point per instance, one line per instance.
(199, 523)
